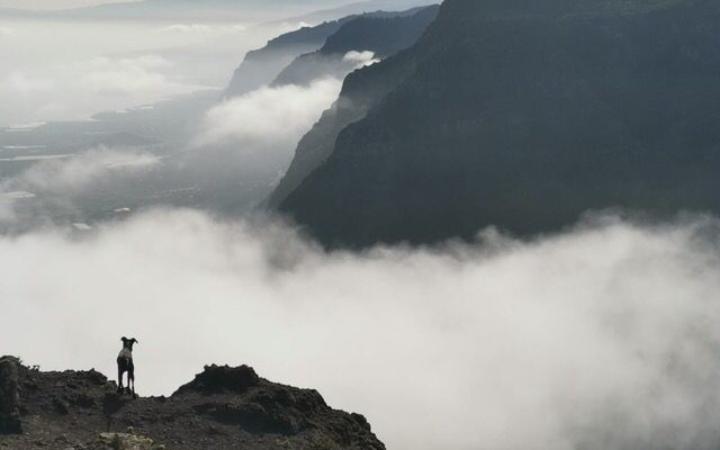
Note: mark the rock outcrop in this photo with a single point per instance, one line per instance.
(222, 408)
(9, 396)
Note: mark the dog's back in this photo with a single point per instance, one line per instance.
(125, 353)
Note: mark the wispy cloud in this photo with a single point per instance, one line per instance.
(361, 59)
(55, 181)
(269, 115)
(205, 29)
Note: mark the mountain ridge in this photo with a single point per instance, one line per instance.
(520, 121)
(264, 65)
(383, 35)
(222, 408)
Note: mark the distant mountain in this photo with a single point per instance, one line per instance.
(383, 35)
(520, 114)
(262, 66)
(222, 408)
(361, 7)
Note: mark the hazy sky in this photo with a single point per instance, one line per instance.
(52, 4)
(60, 4)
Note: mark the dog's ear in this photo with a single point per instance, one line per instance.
(135, 341)
(124, 339)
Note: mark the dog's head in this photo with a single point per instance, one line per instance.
(128, 343)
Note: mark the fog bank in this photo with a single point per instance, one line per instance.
(602, 337)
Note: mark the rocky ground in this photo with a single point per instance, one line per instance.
(222, 408)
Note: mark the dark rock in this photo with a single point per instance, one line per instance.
(61, 406)
(223, 407)
(83, 400)
(217, 379)
(9, 396)
(522, 115)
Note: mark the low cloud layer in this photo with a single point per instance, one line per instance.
(279, 115)
(76, 172)
(80, 88)
(53, 183)
(88, 67)
(604, 337)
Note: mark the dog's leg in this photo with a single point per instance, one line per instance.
(131, 378)
(120, 378)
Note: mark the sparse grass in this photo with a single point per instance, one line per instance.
(116, 443)
(324, 443)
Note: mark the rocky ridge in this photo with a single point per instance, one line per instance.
(222, 408)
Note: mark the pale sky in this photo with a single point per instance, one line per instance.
(52, 4)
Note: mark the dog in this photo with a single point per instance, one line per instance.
(125, 364)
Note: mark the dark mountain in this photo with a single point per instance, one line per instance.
(262, 66)
(358, 8)
(222, 408)
(520, 114)
(384, 36)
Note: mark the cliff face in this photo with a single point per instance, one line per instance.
(362, 90)
(222, 408)
(261, 66)
(520, 114)
(308, 46)
(383, 36)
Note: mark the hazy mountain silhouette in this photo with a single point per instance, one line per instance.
(262, 66)
(383, 35)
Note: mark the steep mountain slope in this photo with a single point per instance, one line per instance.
(222, 408)
(520, 114)
(383, 36)
(261, 66)
(362, 90)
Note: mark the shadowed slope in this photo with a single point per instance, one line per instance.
(524, 114)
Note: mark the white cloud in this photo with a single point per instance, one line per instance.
(6, 31)
(361, 59)
(127, 75)
(601, 338)
(87, 84)
(21, 83)
(77, 172)
(55, 181)
(269, 115)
